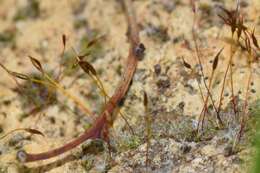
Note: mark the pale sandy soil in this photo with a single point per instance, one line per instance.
(165, 28)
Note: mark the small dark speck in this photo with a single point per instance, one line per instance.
(218, 82)
(1, 129)
(52, 120)
(206, 78)
(62, 133)
(181, 105)
(252, 83)
(228, 151)
(226, 94)
(163, 83)
(7, 102)
(16, 139)
(121, 102)
(191, 90)
(176, 40)
(139, 51)
(253, 91)
(157, 69)
(210, 61)
(239, 92)
(185, 148)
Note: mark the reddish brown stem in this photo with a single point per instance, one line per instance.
(229, 67)
(232, 87)
(245, 111)
(198, 55)
(222, 89)
(206, 102)
(96, 131)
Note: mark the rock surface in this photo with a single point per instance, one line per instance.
(31, 27)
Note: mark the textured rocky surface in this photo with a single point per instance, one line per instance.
(35, 28)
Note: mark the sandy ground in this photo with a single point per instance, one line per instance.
(173, 92)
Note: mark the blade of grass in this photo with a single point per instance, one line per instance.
(29, 130)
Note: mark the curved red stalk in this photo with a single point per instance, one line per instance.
(96, 131)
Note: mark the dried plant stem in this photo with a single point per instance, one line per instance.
(206, 101)
(198, 55)
(53, 84)
(101, 87)
(100, 125)
(12, 131)
(15, 80)
(229, 68)
(245, 110)
(148, 122)
(96, 80)
(232, 81)
(222, 89)
(201, 93)
(68, 94)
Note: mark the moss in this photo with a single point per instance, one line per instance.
(252, 125)
(255, 113)
(87, 164)
(157, 33)
(36, 97)
(94, 147)
(130, 143)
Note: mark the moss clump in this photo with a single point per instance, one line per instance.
(255, 113)
(35, 96)
(95, 147)
(130, 143)
(87, 164)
